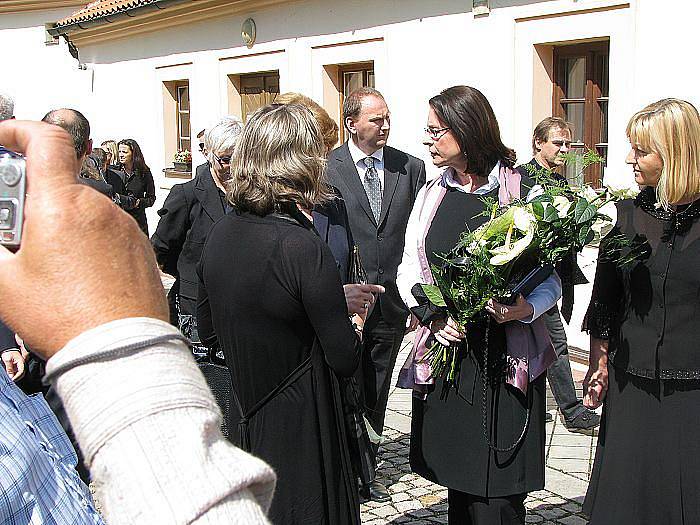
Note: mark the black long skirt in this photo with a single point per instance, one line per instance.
(647, 465)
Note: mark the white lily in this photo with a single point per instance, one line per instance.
(506, 253)
(603, 226)
(523, 218)
(623, 192)
(562, 204)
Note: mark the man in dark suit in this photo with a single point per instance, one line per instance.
(379, 185)
(551, 138)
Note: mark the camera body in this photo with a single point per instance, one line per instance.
(13, 182)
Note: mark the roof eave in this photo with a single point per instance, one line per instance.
(109, 18)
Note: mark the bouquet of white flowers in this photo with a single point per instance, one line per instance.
(513, 252)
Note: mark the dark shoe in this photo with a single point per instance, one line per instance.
(548, 417)
(585, 423)
(375, 491)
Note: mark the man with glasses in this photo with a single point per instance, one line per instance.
(551, 139)
(204, 167)
(378, 184)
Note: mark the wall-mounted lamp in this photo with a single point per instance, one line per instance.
(480, 7)
(248, 32)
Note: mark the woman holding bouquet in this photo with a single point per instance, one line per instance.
(643, 322)
(479, 437)
(271, 298)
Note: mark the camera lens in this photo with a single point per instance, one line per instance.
(11, 175)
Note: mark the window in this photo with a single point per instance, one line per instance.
(183, 117)
(350, 78)
(176, 124)
(581, 96)
(258, 90)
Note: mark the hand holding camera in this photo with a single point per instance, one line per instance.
(75, 244)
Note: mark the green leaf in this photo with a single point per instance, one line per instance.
(550, 214)
(584, 234)
(434, 294)
(584, 211)
(538, 209)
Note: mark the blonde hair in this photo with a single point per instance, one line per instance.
(328, 126)
(110, 147)
(671, 129)
(278, 161)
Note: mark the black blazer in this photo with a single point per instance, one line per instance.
(187, 215)
(380, 245)
(140, 186)
(331, 223)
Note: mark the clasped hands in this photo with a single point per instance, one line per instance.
(447, 332)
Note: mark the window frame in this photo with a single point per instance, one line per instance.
(179, 112)
(593, 98)
(365, 68)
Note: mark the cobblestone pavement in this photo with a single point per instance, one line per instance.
(416, 500)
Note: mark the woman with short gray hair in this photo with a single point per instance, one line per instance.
(271, 298)
(187, 215)
(219, 142)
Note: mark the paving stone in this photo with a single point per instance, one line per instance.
(384, 512)
(404, 506)
(572, 507)
(552, 512)
(419, 491)
(430, 499)
(420, 513)
(533, 518)
(399, 496)
(398, 487)
(573, 520)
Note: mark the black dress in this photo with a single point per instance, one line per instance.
(271, 297)
(448, 445)
(647, 464)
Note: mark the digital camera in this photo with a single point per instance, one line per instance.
(13, 180)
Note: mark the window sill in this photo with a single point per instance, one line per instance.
(177, 174)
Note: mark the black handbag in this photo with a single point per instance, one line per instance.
(361, 454)
(211, 363)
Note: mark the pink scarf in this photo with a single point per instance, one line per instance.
(529, 347)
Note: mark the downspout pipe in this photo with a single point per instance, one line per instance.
(113, 17)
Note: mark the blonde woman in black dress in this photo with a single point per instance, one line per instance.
(643, 321)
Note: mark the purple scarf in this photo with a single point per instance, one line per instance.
(529, 349)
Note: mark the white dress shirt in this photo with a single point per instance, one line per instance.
(358, 157)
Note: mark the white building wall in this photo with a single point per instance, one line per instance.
(418, 48)
(39, 77)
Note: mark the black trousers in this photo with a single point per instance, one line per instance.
(559, 373)
(467, 509)
(380, 347)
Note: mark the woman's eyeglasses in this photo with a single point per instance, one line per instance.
(226, 159)
(436, 133)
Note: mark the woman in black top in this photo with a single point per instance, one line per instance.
(271, 298)
(643, 322)
(451, 444)
(137, 180)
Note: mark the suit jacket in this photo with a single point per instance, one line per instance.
(188, 213)
(380, 245)
(331, 223)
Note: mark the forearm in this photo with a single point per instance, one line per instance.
(598, 353)
(153, 442)
(544, 297)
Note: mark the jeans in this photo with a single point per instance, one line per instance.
(559, 373)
